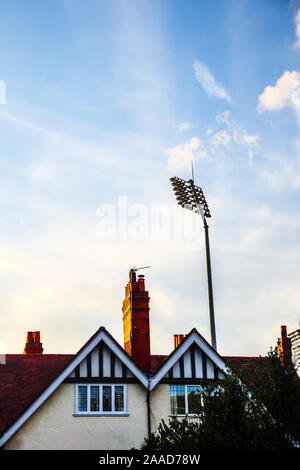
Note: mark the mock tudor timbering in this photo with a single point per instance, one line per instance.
(100, 365)
(105, 396)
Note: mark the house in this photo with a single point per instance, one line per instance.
(105, 396)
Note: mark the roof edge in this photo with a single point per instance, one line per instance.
(101, 334)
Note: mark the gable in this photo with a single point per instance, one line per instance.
(193, 360)
(102, 358)
(194, 364)
(85, 353)
(102, 364)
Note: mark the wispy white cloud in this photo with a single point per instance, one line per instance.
(251, 141)
(61, 273)
(42, 172)
(230, 137)
(183, 126)
(221, 138)
(182, 155)
(234, 134)
(283, 94)
(208, 82)
(223, 117)
(297, 24)
(281, 173)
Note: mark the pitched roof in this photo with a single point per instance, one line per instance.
(238, 362)
(192, 337)
(23, 378)
(254, 364)
(181, 346)
(156, 361)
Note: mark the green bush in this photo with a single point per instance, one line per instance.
(235, 416)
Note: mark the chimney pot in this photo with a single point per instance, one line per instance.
(141, 282)
(178, 339)
(33, 343)
(283, 331)
(284, 344)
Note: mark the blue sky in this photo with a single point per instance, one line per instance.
(108, 100)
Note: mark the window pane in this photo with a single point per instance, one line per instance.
(82, 398)
(94, 398)
(119, 398)
(106, 398)
(194, 399)
(177, 398)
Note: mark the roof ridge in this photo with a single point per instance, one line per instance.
(245, 357)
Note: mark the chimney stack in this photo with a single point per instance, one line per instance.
(33, 343)
(178, 339)
(136, 321)
(284, 345)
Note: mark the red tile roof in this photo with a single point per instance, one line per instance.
(22, 379)
(255, 364)
(238, 362)
(155, 362)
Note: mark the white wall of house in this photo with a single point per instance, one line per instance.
(160, 405)
(54, 427)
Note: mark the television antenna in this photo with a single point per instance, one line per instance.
(143, 267)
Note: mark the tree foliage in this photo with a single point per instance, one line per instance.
(277, 387)
(234, 416)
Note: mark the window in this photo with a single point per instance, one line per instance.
(177, 398)
(185, 399)
(100, 399)
(82, 398)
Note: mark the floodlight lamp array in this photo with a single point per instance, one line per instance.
(188, 195)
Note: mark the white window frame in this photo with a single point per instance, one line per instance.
(100, 412)
(185, 398)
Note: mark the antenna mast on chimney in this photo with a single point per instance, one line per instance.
(143, 267)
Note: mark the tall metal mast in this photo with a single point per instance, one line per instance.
(190, 196)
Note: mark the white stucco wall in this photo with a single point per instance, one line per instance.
(160, 405)
(54, 427)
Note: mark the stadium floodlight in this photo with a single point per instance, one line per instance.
(191, 197)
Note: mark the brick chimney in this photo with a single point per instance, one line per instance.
(178, 339)
(284, 345)
(33, 343)
(136, 321)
